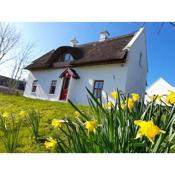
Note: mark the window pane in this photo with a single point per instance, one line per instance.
(96, 85)
(35, 82)
(68, 57)
(52, 90)
(34, 85)
(101, 85)
(54, 82)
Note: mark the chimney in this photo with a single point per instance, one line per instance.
(104, 35)
(73, 42)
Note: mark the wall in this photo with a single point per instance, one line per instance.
(44, 78)
(136, 75)
(114, 77)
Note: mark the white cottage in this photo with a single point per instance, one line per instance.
(101, 66)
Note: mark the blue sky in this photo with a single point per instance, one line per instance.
(160, 45)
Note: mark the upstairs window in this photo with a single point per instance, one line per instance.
(68, 57)
(34, 85)
(98, 87)
(53, 86)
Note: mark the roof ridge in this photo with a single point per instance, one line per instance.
(109, 39)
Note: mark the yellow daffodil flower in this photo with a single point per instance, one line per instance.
(104, 106)
(22, 114)
(91, 126)
(56, 123)
(155, 97)
(122, 105)
(130, 104)
(114, 94)
(76, 114)
(170, 99)
(147, 129)
(50, 143)
(6, 115)
(135, 97)
(109, 104)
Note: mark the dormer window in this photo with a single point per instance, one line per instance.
(68, 57)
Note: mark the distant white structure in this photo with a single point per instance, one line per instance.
(159, 87)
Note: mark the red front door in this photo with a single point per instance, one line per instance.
(65, 87)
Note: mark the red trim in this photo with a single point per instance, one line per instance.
(69, 73)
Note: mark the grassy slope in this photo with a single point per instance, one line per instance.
(48, 110)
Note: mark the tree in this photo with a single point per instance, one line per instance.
(13, 50)
(21, 59)
(9, 38)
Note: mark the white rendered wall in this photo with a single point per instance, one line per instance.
(114, 77)
(44, 78)
(137, 75)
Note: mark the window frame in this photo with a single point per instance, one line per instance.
(34, 85)
(53, 85)
(98, 89)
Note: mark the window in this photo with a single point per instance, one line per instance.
(68, 57)
(34, 85)
(140, 60)
(98, 87)
(53, 86)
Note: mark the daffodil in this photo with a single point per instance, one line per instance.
(122, 105)
(155, 97)
(76, 114)
(56, 123)
(6, 115)
(147, 129)
(170, 99)
(130, 104)
(91, 126)
(22, 114)
(50, 143)
(135, 97)
(105, 106)
(109, 104)
(114, 94)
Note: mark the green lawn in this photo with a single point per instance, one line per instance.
(48, 110)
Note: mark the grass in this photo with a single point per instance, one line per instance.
(127, 125)
(47, 109)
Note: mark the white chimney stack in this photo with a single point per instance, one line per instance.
(73, 42)
(104, 35)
